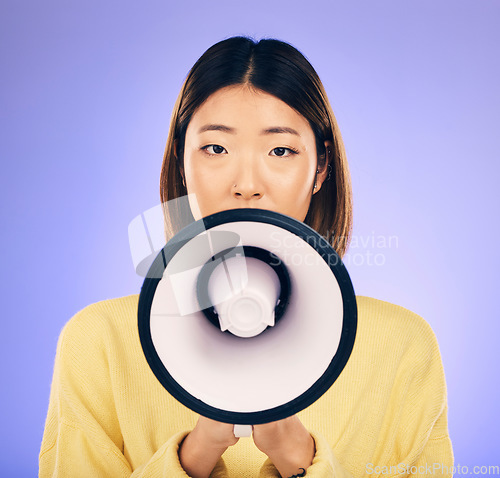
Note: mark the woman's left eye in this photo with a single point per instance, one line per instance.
(214, 149)
(283, 152)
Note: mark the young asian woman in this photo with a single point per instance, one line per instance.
(252, 128)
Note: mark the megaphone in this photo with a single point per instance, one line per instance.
(247, 316)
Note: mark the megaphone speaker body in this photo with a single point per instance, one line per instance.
(247, 316)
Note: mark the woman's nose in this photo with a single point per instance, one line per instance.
(247, 184)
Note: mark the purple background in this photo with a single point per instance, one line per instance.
(87, 93)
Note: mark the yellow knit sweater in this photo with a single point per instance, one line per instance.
(108, 416)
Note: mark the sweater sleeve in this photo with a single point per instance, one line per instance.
(82, 433)
(435, 459)
(417, 427)
(413, 440)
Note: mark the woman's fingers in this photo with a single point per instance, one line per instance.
(216, 434)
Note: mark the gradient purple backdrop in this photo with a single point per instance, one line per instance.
(87, 93)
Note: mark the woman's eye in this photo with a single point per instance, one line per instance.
(283, 152)
(214, 149)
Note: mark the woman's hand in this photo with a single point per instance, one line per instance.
(287, 443)
(202, 448)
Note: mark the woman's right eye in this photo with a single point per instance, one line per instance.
(214, 149)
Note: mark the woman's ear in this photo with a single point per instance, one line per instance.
(181, 171)
(323, 171)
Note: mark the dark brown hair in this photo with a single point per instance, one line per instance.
(279, 69)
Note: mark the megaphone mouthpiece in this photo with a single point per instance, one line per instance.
(248, 308)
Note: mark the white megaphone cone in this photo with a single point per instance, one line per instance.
(228, 302)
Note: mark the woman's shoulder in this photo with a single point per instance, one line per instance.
(393, 325)
(108, 317)
(110, 309)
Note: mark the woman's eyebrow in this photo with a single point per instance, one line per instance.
(217, 127)
(280, 129)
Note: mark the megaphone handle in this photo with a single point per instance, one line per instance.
(242, 431)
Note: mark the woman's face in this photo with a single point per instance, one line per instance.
(245, 148)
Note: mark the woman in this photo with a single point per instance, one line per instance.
(252, 127)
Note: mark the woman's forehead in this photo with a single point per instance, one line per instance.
(239, 106)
